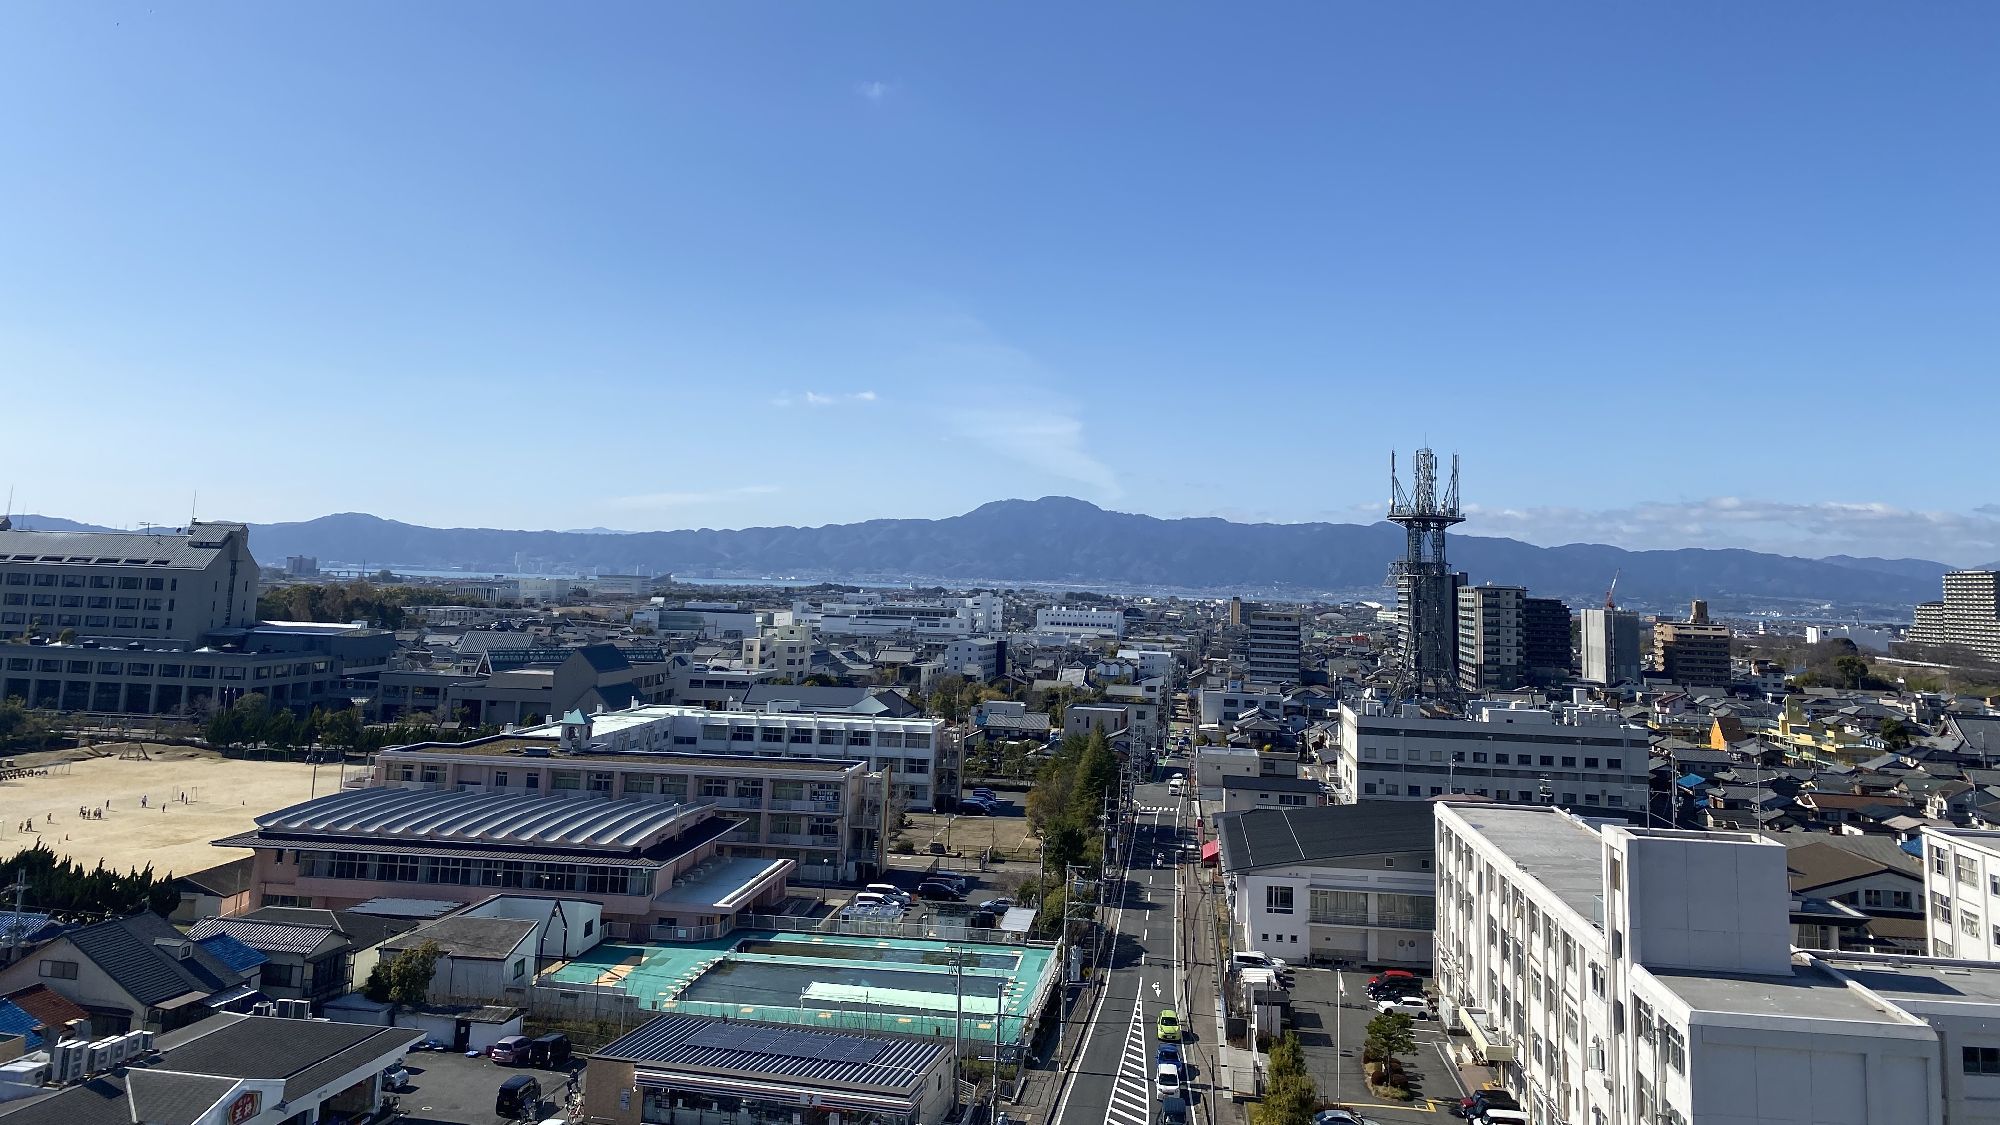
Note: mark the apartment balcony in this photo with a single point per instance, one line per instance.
(736, 802)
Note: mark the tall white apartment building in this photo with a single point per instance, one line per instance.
(1967, 618)
(1576, 756)
(1080, 622)
(1492, 638)
(1962, 893)
(1625, 976)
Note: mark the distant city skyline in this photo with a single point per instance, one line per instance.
(1711, 275)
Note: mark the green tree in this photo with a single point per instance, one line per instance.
(1895, 733)
(1388, 1035)
(1290, 1097)
(410, 974)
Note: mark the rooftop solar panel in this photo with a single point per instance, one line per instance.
(786, 1042)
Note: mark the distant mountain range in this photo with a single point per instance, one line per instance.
(1061, 540)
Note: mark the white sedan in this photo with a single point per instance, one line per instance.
(1416, 1007)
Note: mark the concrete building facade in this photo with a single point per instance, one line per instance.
(1580, 757)
(1492, 635)
(1082, 623)
(1631, 976)
(1609, 646)
(1695, 652)
(1968, 618)
(1341, 882)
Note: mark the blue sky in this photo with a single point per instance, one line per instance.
(1691, 274)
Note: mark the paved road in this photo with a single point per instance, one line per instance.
(1113, 1081)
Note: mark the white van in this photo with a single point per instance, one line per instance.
(889, 891)
(1254, 959)
(1178, 785)
(871, 898)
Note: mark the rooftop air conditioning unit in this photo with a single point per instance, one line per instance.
(69, 1062)
(263, 1008)
(145, 1041)
(102, 1056)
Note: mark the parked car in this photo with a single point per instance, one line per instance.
(1170, 1052)
(1502, 1117)
(1173, 1111)
(1492, 1097)
(1167, 1079)
(1341, 1117)
(396, 1077)
(510, 1050)
(972, 806)
(1416, 1007)
(889, 891)
(520, 1097)
(1387, 976)
(1254, 959)
(1169, 1026)
(550, 1051)
(939, 892)
(996, 904)
(984, 794)
(958, 879)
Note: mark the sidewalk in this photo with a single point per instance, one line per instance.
(1202, 976)
(1042, 1083)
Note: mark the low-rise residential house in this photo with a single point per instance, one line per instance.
(214, 892)
(134, 973)
(1240, 794)
(1334, 883)
(481, 960)
(309, 954)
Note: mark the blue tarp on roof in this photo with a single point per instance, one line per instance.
(15, 1020)
(1691, 781)
(232, 952)
(28, 928)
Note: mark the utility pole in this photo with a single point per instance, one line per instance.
(19, 888)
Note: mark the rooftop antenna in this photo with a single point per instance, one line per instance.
(7, 517)
(192, 501)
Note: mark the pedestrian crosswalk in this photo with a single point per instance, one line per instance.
(1148, 810)
(1131, 1100)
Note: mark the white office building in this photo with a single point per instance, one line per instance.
(1577, 756)
(1148, 663)
(1623, 976)
(920, 756)
(871, 615)
(1081, 623)
(1962, 892)
(975, 658)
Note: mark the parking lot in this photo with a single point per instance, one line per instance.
(450, 1089)
(1331, 1028)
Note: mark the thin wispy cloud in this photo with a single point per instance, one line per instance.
(818, 398)
(1030, 422)
(875, 91)
(651, 500)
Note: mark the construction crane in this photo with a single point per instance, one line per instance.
(1610, 595)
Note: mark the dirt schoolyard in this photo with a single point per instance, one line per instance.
(89, 807)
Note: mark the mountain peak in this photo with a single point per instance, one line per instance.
(1064, 505)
